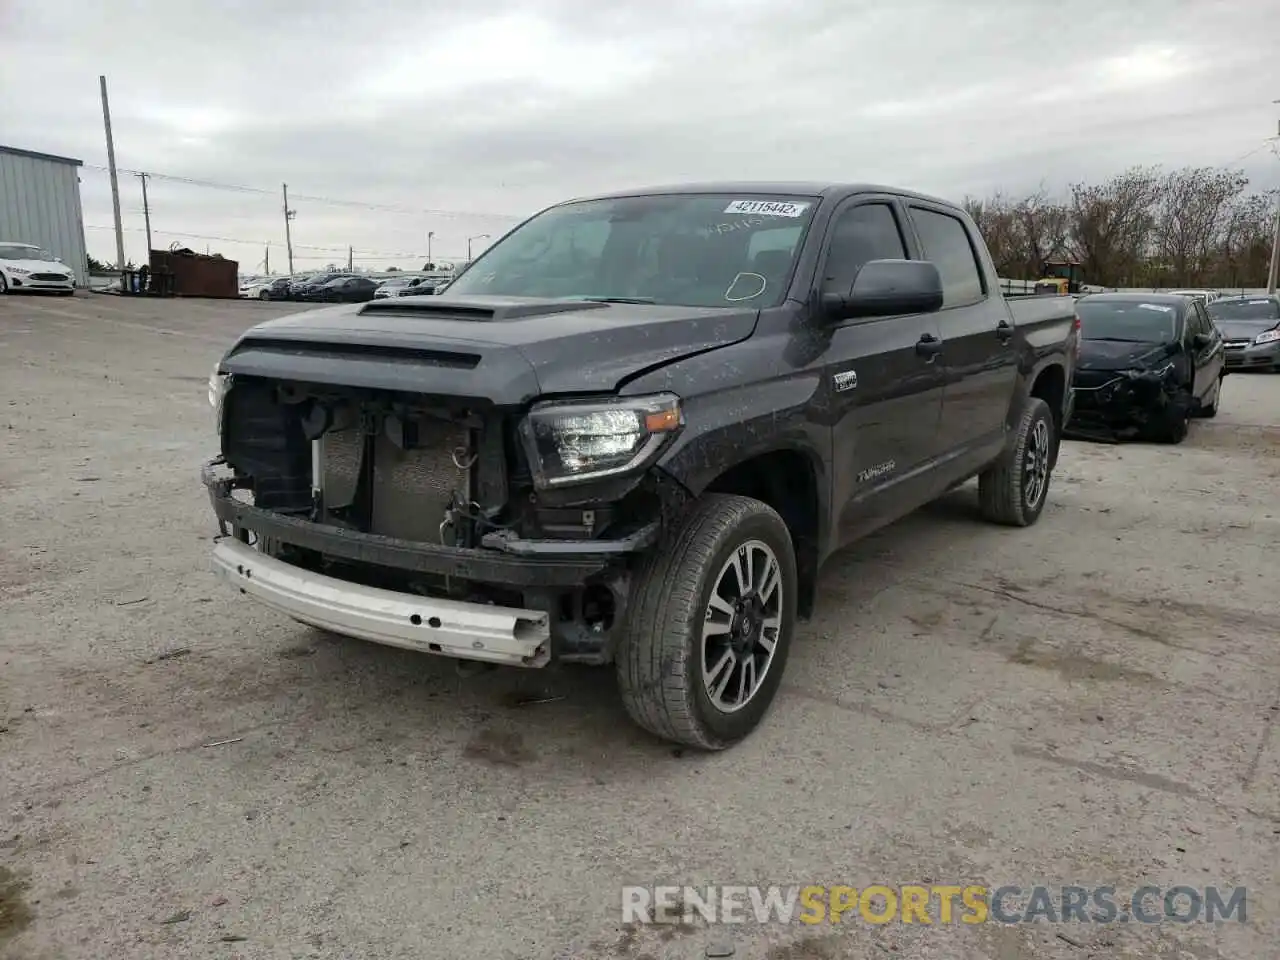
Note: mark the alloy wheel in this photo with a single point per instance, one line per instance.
(1035, 466)
(741, 626)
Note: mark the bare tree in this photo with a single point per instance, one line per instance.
(1244, 249)
(996, 222)
(1190, 220)
(1193, 227)
(1043, 230)
(1112, 225)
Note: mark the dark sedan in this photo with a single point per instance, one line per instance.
(1251, 327)
(1148, 362)
(310, 288)
(347, 290)
(419, 287)
(302, 286)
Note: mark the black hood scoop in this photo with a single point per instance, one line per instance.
(475, 309)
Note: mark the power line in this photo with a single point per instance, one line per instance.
(1246, 156)
(373, 254)
(310, 198)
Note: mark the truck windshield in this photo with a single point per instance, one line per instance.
(705, 250)
(1127, 320)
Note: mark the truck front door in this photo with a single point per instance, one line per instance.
(883, 377)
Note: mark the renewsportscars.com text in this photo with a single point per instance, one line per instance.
(937, 903)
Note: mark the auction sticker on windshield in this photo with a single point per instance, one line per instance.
(772, 208)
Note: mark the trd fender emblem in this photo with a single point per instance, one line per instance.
(845, 380)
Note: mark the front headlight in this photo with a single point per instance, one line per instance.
(571, 442)
(20, 271)
(1157, 374)
(1267, 336)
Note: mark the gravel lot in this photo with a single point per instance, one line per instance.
(1091, 701)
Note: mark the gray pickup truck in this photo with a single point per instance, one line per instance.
(632, 431)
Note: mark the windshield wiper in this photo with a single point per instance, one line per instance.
(618, 299)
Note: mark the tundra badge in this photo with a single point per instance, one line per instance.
(876, 472)
(845, 380)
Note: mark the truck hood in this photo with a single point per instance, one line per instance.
(1121, 354)
(507, 350)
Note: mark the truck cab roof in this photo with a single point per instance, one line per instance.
(811, 188)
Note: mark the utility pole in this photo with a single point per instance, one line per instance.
(266, 261)
(1273, 274)
(115, 183)
(350, 252)
(430, 234)
(288, 215)
(146, 214)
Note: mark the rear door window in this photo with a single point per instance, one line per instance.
(945, 242)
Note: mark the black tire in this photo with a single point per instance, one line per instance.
(1208, 411)
(4, 285)
(1006, 494)
(263, 295)
(660, 656)
(1173, 430)
(1173, 424)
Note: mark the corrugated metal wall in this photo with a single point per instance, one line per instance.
(40, 204)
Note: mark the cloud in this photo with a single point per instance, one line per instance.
(411, 107)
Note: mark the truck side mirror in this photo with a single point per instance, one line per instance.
(887, 288)
(1201, 340)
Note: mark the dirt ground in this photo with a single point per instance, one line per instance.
(1089, 702)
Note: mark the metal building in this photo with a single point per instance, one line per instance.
(40, 204)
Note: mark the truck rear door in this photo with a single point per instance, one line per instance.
(978, 355)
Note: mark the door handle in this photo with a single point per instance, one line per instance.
(1004, 330)
(928, 346)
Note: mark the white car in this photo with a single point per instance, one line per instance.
(1208, 296)
(24, 266)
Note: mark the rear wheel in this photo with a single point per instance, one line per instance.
(1013, 490)
(4, 285)
(262, 295)
(708, 633)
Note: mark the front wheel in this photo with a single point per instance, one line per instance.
(1210, 410)
(710, 625)
(1013, 490)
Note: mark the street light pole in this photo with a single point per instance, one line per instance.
(430, 234)
(478, 236)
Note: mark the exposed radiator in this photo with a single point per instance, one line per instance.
(413, 488)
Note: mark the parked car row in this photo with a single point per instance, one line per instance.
(337, 287)
(1149, 362)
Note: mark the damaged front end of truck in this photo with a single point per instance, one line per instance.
(441, 522)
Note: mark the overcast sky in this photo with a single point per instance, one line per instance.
(460, 116)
